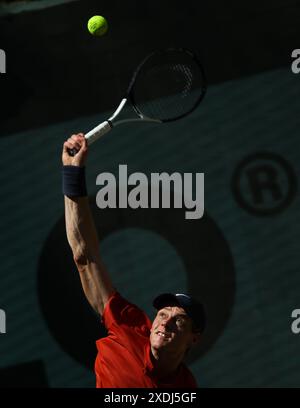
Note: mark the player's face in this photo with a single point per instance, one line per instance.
(172, 330)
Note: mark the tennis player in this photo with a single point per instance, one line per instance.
(136, 353)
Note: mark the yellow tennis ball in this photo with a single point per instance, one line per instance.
(97, 25)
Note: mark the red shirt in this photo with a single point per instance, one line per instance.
(123, 359)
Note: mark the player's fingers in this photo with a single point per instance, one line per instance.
(78, 137)
(82, 141)
(74, 144)
(84, 144)
(67, 146)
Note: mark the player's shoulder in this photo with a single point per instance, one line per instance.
(122, 311)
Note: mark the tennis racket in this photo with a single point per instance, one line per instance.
(166, 86)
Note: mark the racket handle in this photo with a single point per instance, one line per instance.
(98, 131)
(72, 152)
(93, 135)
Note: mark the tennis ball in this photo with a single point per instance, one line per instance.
(97, 25)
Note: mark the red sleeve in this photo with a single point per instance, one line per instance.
(119, 314)
(192, 383)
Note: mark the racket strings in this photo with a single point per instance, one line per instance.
(168, 86)
(165, 109)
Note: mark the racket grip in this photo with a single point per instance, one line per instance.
(72, 152)
(98, 131)
(93, 135)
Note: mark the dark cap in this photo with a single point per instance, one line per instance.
(194, 309)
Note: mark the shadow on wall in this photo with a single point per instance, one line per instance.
(200, 244)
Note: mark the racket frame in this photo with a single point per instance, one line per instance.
(130, 93)
(108, 124)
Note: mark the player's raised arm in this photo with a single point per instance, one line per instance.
(80, 227)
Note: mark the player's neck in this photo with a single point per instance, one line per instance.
(166, 364)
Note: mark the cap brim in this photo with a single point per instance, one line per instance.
(165, 299)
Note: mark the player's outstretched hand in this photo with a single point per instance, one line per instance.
(78, 142)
